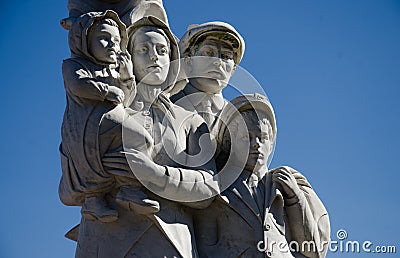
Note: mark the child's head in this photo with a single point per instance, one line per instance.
(259, 135)
(250, 132)
(104, 41)
(98, 37)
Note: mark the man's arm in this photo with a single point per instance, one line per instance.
(306, 215)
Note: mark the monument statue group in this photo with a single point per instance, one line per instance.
(160, 163)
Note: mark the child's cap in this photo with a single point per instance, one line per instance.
(245, 102)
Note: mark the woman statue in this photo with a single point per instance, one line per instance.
(170, 164)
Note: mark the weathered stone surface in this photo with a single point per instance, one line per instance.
(181, 178)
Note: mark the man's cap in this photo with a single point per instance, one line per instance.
(220, 30)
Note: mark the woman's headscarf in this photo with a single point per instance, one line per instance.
(169, 85)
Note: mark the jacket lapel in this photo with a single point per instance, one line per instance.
(239, 199)
(178, 235)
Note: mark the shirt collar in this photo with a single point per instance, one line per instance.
(197, 97)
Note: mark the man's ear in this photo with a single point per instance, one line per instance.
(271, 148)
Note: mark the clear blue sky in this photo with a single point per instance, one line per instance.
(330, 68)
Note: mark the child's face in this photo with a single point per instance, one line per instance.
(260, 144)
(104, 43)
(257, 135)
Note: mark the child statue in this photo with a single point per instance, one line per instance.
(99, 84)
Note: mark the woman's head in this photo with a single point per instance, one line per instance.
(154, 52)
(150, 50)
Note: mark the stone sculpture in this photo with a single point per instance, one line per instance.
(210, 53)
(267, 208)
(144, 169)
(170, 226)
(128, 10)
(98, 78)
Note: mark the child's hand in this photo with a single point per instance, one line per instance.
(285, 178)
(115, 95)
(125, 66)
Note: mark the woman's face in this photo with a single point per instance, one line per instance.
(150, 57)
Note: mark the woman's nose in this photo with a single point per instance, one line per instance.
(153, 55)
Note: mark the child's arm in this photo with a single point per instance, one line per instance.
(79, 82)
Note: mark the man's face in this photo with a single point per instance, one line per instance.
(104, 43)
(150, 57)
(212, 65)
(254, 140)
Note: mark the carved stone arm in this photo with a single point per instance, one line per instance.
(308, 221)
(81, 84)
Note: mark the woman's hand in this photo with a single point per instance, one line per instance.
(146, 170)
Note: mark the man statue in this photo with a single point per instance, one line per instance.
(211, 52)
(273, 213)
